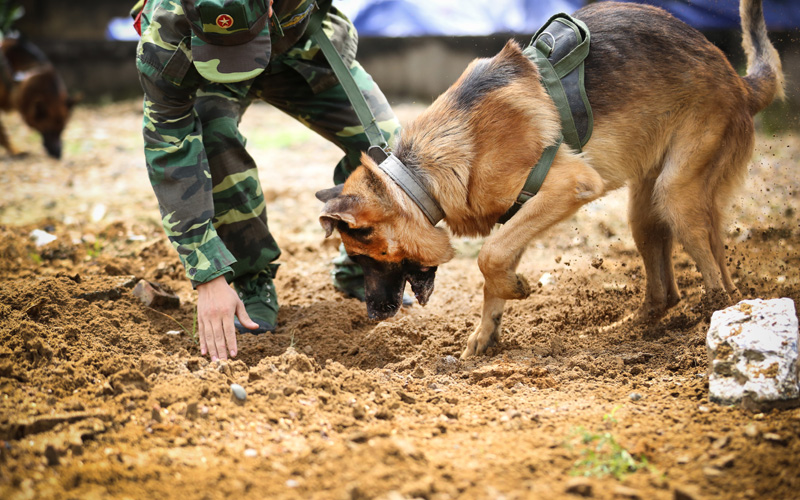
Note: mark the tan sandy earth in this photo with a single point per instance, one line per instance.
(103, 397)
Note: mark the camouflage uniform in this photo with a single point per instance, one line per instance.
(207, 185)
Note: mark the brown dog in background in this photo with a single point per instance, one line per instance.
(673, 121)
(31, 85)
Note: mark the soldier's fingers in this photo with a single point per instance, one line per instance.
(219, 340)
(201, 334)
(210, 342)
(244, 318)
(230, 335)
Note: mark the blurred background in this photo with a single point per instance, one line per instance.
(413, 48)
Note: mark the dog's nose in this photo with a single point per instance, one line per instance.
(380, 312)
(53, 148)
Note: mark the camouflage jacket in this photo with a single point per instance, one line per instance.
(176, 158)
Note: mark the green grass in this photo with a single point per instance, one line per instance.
(601, 455)
(93, 250)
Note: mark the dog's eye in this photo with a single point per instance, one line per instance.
(361, 234)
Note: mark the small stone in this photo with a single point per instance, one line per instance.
(51, 454)
(685, 493)
(635, 396)
(153, 295)
(626, 493)
(250, 453)
(547, 279)
(238, 392)
(42, 238)
(725, 461)
(579, 486)
(774, 438)
(191, 410)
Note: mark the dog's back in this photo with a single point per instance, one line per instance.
(30, 84)
(665, 78)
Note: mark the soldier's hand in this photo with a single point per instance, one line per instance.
(217, 303)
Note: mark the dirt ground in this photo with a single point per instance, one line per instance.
(103, 397)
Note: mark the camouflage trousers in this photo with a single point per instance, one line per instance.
(240, 210)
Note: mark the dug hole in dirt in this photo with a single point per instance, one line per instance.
(104, 397)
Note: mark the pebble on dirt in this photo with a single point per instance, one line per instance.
(238, 392)
(752, 352)
(155, 296)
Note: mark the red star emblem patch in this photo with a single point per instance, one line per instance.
(224, 21)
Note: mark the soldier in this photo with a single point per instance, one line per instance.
(201, 63)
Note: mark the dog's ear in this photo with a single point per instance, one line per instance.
(511, 47)
(337, 209)
(325, 195)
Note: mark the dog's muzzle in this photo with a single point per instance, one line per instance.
(384, 283)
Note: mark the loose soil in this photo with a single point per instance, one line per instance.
(104, 397)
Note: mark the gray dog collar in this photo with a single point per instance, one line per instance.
(409, 182)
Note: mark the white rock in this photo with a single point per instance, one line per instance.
(547, 279)
(42, 238)
(752, 353)
(239, 392)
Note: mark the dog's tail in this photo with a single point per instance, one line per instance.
(764, 73)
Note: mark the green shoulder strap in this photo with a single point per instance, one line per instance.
(558, 49)
(365, 116)
(535, 179)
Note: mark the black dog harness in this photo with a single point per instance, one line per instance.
(558, 49)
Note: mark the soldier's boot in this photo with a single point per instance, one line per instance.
(260, 300)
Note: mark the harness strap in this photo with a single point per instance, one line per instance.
(354, 95)
(535, 179)
(558, 49)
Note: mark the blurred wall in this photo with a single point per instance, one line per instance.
(70, 19)
(73, 34)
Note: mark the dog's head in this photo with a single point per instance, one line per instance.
(387, 235)
(44, 104)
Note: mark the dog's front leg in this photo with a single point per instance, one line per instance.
(501, 282)
(487, 333)
(570, 184)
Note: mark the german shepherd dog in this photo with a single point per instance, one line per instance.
(31, 85)
(673, 121)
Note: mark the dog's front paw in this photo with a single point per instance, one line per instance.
(485, 336)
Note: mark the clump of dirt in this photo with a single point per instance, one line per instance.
(103, 396)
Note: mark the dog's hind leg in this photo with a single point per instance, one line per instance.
(654, 238)
(6, 142)
(690, 192)
(570, 184)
